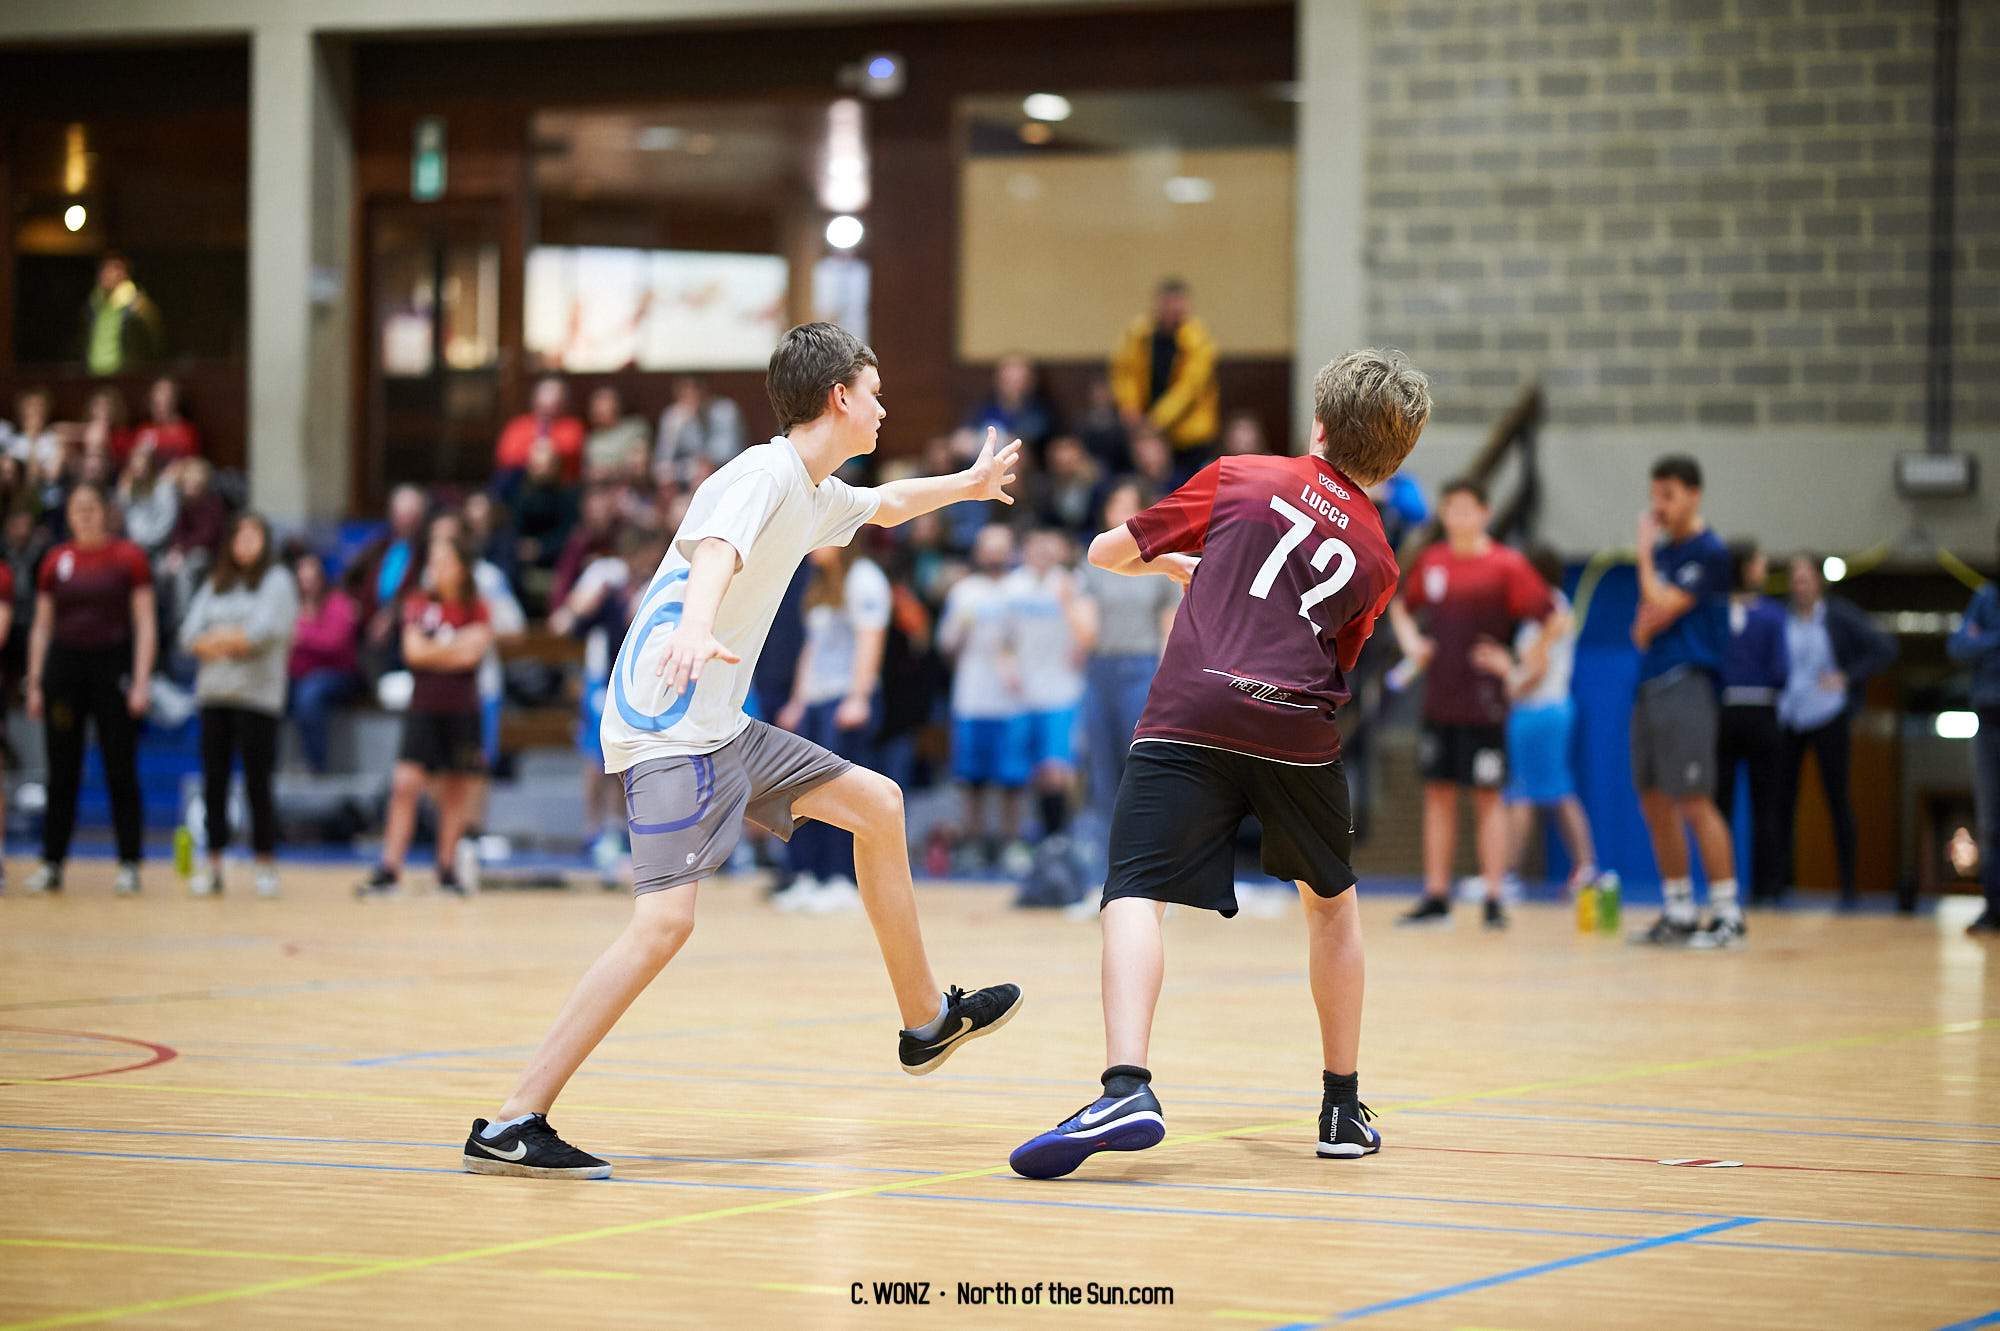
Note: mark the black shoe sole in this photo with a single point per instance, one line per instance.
(919, 1069)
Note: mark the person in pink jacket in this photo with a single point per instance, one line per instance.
(325, 666)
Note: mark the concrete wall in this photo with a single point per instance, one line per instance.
(1701, 224)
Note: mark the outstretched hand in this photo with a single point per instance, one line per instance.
(993, 471)
(688, 650)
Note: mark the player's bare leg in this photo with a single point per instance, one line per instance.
(1337, 968)
(1663, 821)
(1490, 829)
(1711, 837)
(870, 806)
(1575, 826)
(1134, 962)
(1440, 836)
(399, 828)
(661, 922)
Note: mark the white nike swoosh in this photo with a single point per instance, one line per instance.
(965, 1028)
(1090, 1120)
(519, 1152)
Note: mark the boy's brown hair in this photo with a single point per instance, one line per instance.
(807, 362)
(1374, 405)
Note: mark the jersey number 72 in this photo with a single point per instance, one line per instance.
(1330, 548)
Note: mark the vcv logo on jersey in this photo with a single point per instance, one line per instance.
(662, 611)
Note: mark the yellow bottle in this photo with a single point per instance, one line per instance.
(1586, 909)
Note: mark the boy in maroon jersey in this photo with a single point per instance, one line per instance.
(1293, 571)
(1477, 591)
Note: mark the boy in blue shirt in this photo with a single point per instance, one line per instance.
(1683, 629)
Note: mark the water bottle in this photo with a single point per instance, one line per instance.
(183, 850)
(1607, 903)
(1586, 908)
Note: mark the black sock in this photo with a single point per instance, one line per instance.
(1124, 1080)
(1343, 1090)
(1055, 812)
(384, 874)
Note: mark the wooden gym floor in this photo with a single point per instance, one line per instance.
(248, 1113)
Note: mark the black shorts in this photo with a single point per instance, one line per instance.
(444, 743)
(1173, 832)
(1463, 755)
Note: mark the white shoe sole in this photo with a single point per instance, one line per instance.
(919, 1069)
(476, 1165)
(1345, 1150)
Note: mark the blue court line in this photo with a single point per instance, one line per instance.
(1752, 1113)
(1845, 1252)
(1697, 1127)
(1974, 1323)
(1522, 1273)
(497, 1049)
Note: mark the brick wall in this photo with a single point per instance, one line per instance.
(1682, 216)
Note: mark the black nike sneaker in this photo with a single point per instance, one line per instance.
(529, 1150)
(1129, 1122)
(966, 1017)
(1666, 933)
(1429, 910)
(1344, 1133)
(378, 885)
(1720, 933)
(1987, 923)
(1495, 916)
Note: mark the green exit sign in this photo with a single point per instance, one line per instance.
(427, 160)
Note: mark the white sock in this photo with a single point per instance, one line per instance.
(1679, 897)
(1722, 899)
(930, 1029)
(492, 1131)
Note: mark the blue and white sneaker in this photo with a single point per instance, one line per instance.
(1129, 1122)
(1344, 1133)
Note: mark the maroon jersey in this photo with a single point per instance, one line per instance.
(92, 590)
(1471, 597)
(1294, 572)
(435, 692)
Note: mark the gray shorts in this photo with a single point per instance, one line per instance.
(1673, 734)
(686, 813)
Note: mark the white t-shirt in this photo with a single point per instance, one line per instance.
(831, 631)
(765, 505)
(1050, 679)
(978, 629)
(1554, 684)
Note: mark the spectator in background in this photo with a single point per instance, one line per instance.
(382, 568)
(594, 536)
(1476, 591)
(1753, 679)
(1163, 374)
(1049, 645)
(944, 455)
(1404, 510)
(1123, 626)
(240, 628)
(1833, 649)
(198, 527)
(1102, 430)
(544, 419)
(986, 703)
(102, 428)
(150, 501)
(932, 564)
(1015, 407)
(32, 436)
(1152, 464)
(325, 664)
(1244, 435)
(545, 507)
(698, 433)
(445, 637)
(488, 534)
(1071, 487)
(614, 436)
(90, 659)
(1977, 644)
(599, 610)
(503, 616)
(836, 703)
(120, 325)
(168, 433)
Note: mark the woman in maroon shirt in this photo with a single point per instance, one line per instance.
(90, 657)
(445, 636)
(325, 667)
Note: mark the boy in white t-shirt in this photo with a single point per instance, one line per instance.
(695, 765)
(976, 631)
(1042, 602)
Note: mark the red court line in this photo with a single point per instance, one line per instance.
(160, 1054)
(1648, 1160)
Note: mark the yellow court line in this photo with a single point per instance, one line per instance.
(568, 1271)
(182, 1252)
(1246, 1315)
(876, 1189)
(779, 1288)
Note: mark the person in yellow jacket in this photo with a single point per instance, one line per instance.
(1164, 372)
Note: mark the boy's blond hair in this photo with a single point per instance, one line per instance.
(1373, 404)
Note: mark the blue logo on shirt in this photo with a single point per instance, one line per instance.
(666, 613)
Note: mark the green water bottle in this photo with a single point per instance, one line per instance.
(1607, 903)
(183, 851)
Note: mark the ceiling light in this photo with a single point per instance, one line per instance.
(844, 232)
(1046, 106)
(74, 217)
(1957, 725)
(659, 138)
(1834, 569)
(1190, 189)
